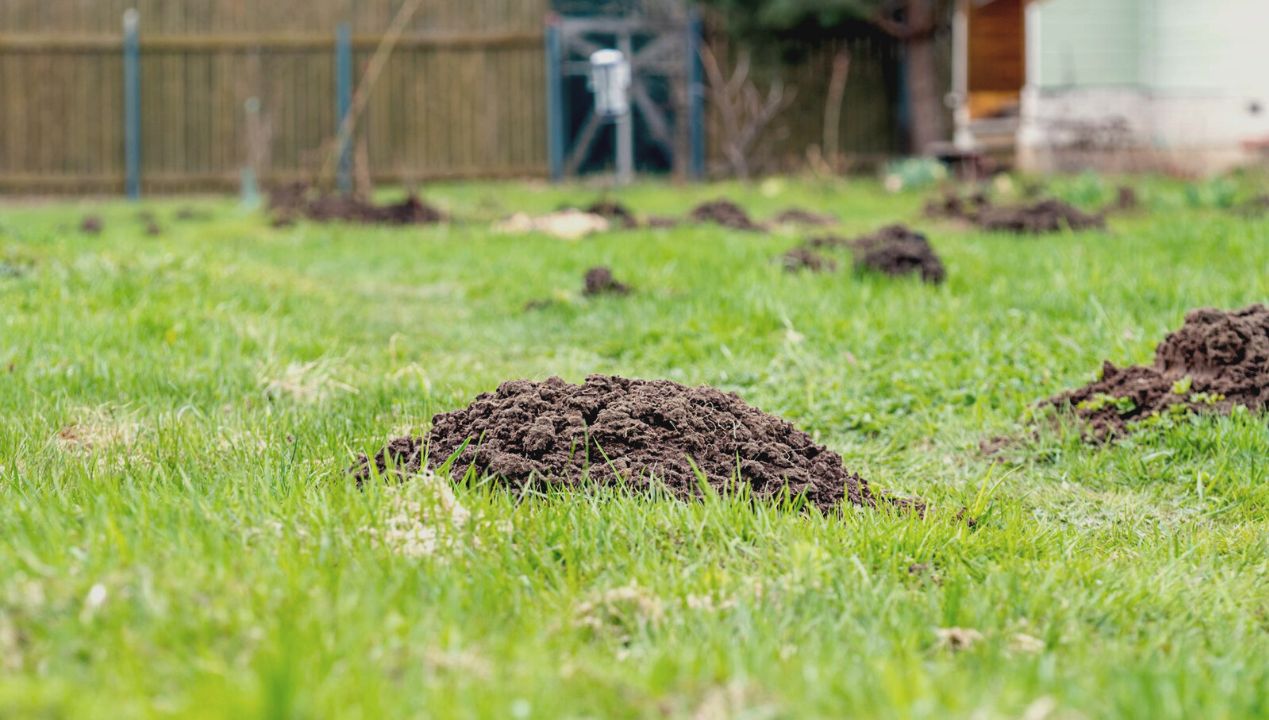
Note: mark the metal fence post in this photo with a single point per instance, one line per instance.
(695, 97)
(554, 100)
(343, 103)
(132, 103)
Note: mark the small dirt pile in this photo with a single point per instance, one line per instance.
(803, 258)
(92, 225)
(614, 212)
(897, 251)
(894, 250)
(288, 202)
(1254, 208)
(1126, 200)
(955, 206)
(725, 213)
(600, 281)
(1046, 216)
(555, 434)
(798, 216)
(1217, 360)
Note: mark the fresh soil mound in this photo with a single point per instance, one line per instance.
(297, 200)
(954, 206)
(555, 434)
(1126, 200)
(803, 258)
(826, 242)
(614, 212)
(725, 213)
(600, 281)
(903, 257)
(1216, 361)
(1046, 216)
(91, 225)
(798, 216)
(1255, 207)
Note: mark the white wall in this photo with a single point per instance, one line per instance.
(1202, 68)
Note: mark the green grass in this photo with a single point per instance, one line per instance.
(178, 537)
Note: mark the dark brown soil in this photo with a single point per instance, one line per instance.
(803, 258)
(91, 225)
(798, 216)
(1216, 361)
(1126, 200)
(957, 206)
(1255, 207)
(555, 434)
(660, 221)
(1046, 216)
(600, 281)
(291, 201)
(893, 250)
(725, 213)
(614, 212)
(903, 257)
(152, 229)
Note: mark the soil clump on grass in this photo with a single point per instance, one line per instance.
(91, 225)
(1125, 201)
(298, 200)
(614, 212)
(952, 205)
(798, 216)
(894, 250)
(1217, 360)
(897, 251)
(553, 434)
(1046, 216)
(804, 258)
(725, 213)
(600, 281)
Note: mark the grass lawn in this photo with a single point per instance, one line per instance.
(179, 538)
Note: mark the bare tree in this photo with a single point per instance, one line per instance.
(745, 111)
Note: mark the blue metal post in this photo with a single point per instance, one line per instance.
(132, 103)
(554, 100)
(343, 102)
(695, 97)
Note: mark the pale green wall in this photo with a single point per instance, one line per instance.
(1088, 42)
(1160, 44)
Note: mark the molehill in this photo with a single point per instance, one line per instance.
(556, 434)
(1216, 361)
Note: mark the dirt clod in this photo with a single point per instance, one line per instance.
(600, 281)
(725, 213)
(1046, 216)
(803, 258)
(614, 212)
(555, 434)
(298, 200)
(798, 216)
(896, 250)
(91, 225)
(957, 206)
(1126, 200)
(1216, 361)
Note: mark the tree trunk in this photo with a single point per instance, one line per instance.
(925, 98)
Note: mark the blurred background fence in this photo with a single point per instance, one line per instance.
(462, 95)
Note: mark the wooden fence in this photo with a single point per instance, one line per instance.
(461, 96)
